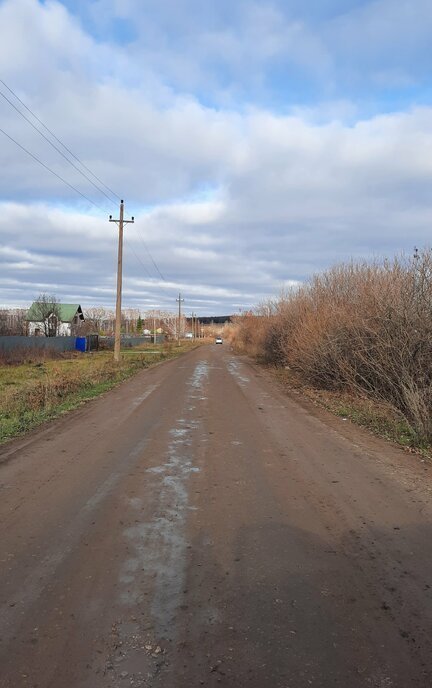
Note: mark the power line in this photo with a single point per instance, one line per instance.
(52, 171)
(32, 155)
(143, 241)
(71, 163)
(150, 256)
(137, 257)
(58, 139)
(55, 147)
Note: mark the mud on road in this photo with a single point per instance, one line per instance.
(197, 527)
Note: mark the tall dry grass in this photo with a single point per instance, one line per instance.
(54, 385)
(360, 327)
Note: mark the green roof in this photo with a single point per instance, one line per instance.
(67, 311)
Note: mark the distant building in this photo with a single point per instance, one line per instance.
(65, 324)
(214, 319)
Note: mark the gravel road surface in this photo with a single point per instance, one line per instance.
(198, 527)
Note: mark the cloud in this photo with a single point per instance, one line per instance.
(278, 51)
(233, 200)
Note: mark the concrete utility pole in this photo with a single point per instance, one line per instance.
(117, 331)
(180, 301)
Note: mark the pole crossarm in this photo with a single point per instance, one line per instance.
(125, 222)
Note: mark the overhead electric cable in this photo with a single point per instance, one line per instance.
(137, 257)
(83, 196)
(32, 155)
(71, 163)
(59, 140)
(56, 147)
(150, 256)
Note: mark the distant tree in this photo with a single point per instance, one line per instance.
(165, 321)
(96, 318)
(18, 323)
(12, 321)
(46, 310)
(139, 325)
(4, 328)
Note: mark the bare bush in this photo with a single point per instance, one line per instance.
(361, 327)
(12, 321)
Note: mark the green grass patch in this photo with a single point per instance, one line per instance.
(381, 420)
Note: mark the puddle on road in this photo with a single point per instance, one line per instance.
(142, 397)
(135, 502)
(235, 368)
(199, 375)
(159, 545)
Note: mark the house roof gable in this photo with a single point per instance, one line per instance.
(67, 312)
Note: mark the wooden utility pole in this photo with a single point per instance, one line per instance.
(121, 221)
(180, 301)
(154, 328)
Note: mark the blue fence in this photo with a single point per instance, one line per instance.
(89, 343)
(13, 343)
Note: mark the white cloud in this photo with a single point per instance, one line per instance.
(232, 202)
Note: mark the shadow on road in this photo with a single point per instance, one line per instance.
(285, 609)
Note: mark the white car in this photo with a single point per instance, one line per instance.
(218, 340)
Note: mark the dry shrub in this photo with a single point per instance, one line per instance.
(248, 334)
(56, 385)
(360, 327)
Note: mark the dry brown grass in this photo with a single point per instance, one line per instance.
(44, 386)
(31, 393)
(22, 355)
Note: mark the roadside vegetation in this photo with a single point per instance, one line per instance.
(357, 338)
(39, 386)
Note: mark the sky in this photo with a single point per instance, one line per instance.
(255, 142)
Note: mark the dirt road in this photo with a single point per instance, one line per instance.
(196, 527)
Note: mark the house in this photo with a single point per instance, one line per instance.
(56, 319)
